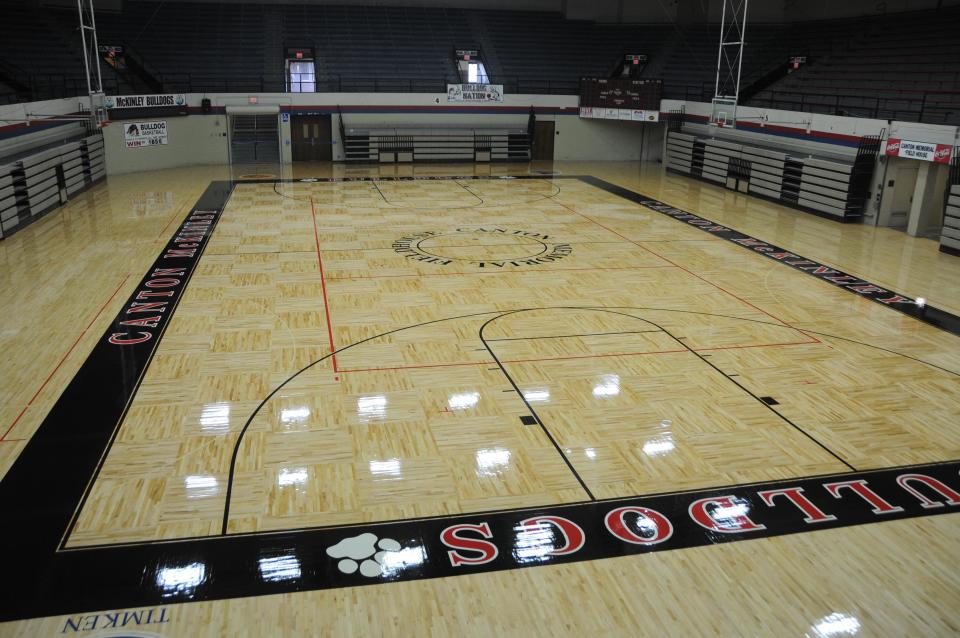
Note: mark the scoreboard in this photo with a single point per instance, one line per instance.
(620, 99)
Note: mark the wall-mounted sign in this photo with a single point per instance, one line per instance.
(144, 101)
(474, 93)
(139, 134)
(926, 151)
(638, 115)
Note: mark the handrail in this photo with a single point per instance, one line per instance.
(929, 108)
(336, 83)
(147, 73)
(197, 82)
(65, 85)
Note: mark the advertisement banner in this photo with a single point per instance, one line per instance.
(633, 115)
(474, 93)
(639, 115)
(139, 134)
(925, 151)
(144, 101)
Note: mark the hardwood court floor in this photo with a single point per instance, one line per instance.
(642, 345)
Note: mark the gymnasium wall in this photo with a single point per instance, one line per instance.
(200, 139)
(196, 139)
(599, 140)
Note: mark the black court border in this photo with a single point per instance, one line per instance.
(45, 487)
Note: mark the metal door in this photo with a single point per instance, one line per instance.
(254, 139)
(310, 135)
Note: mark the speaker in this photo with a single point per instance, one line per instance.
(205, 105)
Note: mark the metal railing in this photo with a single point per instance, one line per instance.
(336, 83)
(932, 106)
(49, 86)
(935, 106)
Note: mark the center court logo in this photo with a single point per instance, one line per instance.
(493, 247)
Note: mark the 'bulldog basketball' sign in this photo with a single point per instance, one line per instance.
(137, 134)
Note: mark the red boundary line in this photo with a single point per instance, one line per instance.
(686, 270)
(587, 356)
(176, 214)
(3, 438)
(323, 285)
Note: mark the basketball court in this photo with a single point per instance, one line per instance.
(339, 364)
(532, 318)
(357, 380)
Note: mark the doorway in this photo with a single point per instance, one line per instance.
(542, 140)
(906, 182)
(310, 135)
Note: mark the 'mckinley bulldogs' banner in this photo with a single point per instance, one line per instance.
(474, 93)
(926, 151)
(144, 101)
(138, 134)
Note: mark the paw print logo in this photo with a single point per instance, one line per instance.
(366, 548)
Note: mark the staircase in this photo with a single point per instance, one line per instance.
(139, 73)
(272, 64)
(654, 66)
(773, 76)
(488, 54)
(16, 79)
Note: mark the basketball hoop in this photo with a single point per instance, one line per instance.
(723, 113)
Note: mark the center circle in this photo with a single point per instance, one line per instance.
(481, 246)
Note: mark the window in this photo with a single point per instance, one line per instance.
(477, 74)
(302, 77)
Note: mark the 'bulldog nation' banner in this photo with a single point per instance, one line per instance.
(144, 101)
(474, 93)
